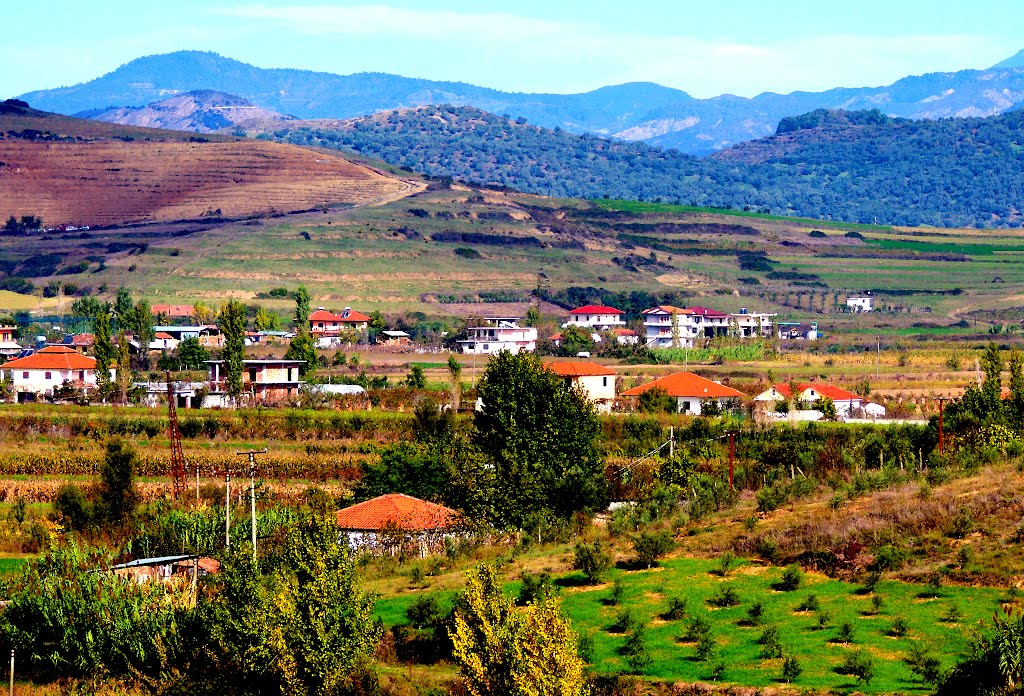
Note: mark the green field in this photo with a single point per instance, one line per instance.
(647, 592)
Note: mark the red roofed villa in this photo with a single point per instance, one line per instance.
(847, 403)
(49, 368)
(324, 324)
(596, 317)
(692, 392)
(596, 381)
(394, 522)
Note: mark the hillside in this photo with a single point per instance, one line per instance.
(202, 111)
(659, 115)
(74, 171)
(855, 168)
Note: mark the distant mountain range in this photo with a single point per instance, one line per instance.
(201, 111)
(637, 111)
(834, 165)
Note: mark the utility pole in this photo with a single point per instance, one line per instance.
(227, 508)
(878, 354)
(251, 454)
(12, 671)
(942, 448)
(732, 457)
(671, 441)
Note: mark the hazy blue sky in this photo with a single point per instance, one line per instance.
(706, 48)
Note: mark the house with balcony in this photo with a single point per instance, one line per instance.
(595, 381)
(749, 324)
(9, 348)
(325, 324)
(597, 318)
(49, 368)
(498, 334)
(263, 381)
(691, 324)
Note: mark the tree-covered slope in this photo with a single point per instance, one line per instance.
(851, 167)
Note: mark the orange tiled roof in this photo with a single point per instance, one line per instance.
(396, 509)
(53, 358)
(829, 390)
(687, 384)
(579, 369)
(595, 309)
(353, 317)
(173, 310)
(624, 332)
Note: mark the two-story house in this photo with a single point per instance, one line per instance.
(748, 324)
(8, 346)
(596, 381)
(262, 380)
(499, 333)
(675, 327)
(325, 324)
(597, 318)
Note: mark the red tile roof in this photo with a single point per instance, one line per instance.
(830, 390)
(595, 309)
(53, 358)
(353, 317)
(705, 312)
(85, 339)
(163, 335)
(579, 369)
(687, 384)
(173, 310)
(396, 509)
(624, 332)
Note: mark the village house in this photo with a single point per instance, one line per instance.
(397, 523)
(500, 333)
(167, 568)
(690, 324)
(597, 382)
(163, 341)
(847, 403)
(861, 303)
(173, 311)
(324, 324)
(9, 348)
(797, 331)
(81, 343)
(49, 368)
(394, 338)
(692, 392)
(596, 318)
(263, 381)
(209, 335)
(748, 324)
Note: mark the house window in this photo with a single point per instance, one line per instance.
(47, 376)
(252, 374)
(81, 375)
(686, 407)
(604, 381)
(24, 375)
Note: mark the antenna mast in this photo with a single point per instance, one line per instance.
(177, 456)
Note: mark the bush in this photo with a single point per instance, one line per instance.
(791, 578)
(810, 603)
(536, 587)
(727, 596)
(899, 627)
(676, 609)
(650, 546)
(845, 634)
(726, 562)
(625, 621)
(926, 667)
(698, 627)
(593, 560)
(618, 589)
(791, 670)
(771, 646)
(423, 612)
(824, 619)
(635, 651)
(755, 613)
(705, 647)
(860, 665)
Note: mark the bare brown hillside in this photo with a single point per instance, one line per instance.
(95, 176)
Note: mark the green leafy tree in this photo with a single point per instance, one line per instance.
(533, 316)
(827, 408)
(87, 306)
(124, 367)
(192, 353)
(301, 319)
(142, 326)
(1015, 404)
(103, 347)
(123, 309)
(73, 507)
(267, 320)
(541, 436)
(576, 339)
(116, 494)
(991, 386)
(455, 373)
(231, 322)
(593, 560)
(416, 379)
(504, 651)
(656, 400)
(650, 546)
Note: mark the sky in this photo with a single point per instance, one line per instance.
(706, 48)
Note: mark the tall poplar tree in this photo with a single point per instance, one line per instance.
(231, 322)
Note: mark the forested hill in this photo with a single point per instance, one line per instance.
(855, 168)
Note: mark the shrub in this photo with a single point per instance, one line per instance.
(876, 604)
(593, 560)
(536, 587)
(860, 665)
(926, 667)
(755, 613)
(698, 626)
(726, 562)
(771, 646)
(899, 627)
(676, 609)
(934, 587)
(952, 614)
(618, 589)
(791, 670)
(727, 596)
(845, 634)
(635, 651)
(824, 619)
(625, 621)
(650, 546)
(717, 671)
(871, 581)
(424, 611)
(810, 603)
(791, 578)
(705, 647)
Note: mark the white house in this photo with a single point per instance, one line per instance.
(324, 324)
(861, 303)
(8, 346)
(395, 522)
(596, 318)
(691, 324)
(501, 333)
(846, 403)
(752, 324)
(163, 341)
(49, 368)
(597, 382)
(692, 392)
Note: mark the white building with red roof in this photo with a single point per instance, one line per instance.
(49, 368)
(324, 324)
(395, 522)
(497, 335)
(8, 346)
(596, 317)
(847, 403)
(676, 327)
(692, 392)
(596, 381)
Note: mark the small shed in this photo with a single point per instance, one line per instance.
(397, 523)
